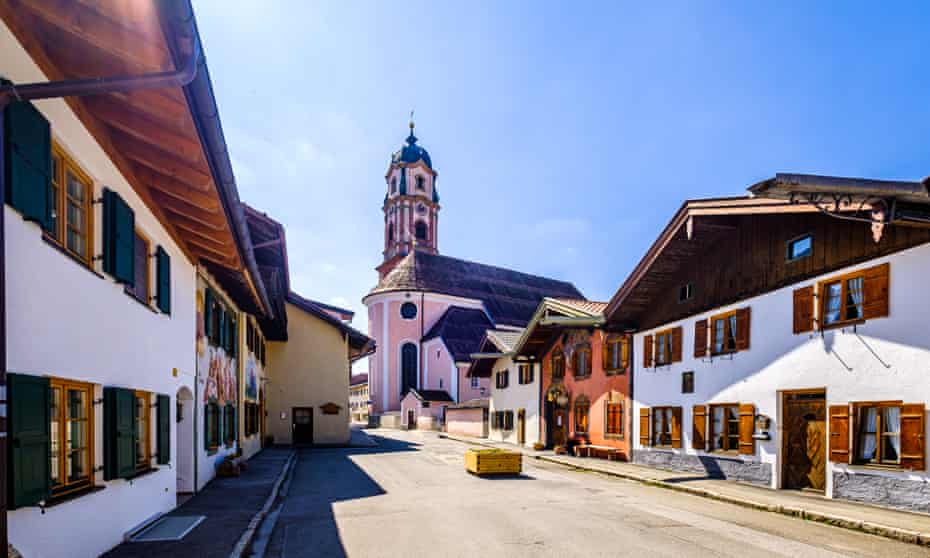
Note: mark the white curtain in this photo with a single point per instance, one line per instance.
(855, 293)
(869, 420)
(717, 430)
(891, 422)
(658, 428)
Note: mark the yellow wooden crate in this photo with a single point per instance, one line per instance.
(493, 462)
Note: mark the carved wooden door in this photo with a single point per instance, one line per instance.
(805, 441)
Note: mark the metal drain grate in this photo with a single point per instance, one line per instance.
(169, 528)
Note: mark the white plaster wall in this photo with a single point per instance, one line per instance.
(65, 321)
(515, 396)
(885, 359)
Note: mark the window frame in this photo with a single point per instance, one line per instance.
(502, 378)
(577, 373)
(792, 241)
(213, 434)
(475, 382)
(652, 426)
(729, 333)
(65, 487)
(727, 420)
(666, 334)
(420, 182)
(525, 373)
(131, 290)
(146, 426)
(879, 435)
(617, 344)
(688, 290)
(579, 405)
(690, 375)
(408, 304)
(607, 415)
(822, 300)
(62, 163)
(557, 363)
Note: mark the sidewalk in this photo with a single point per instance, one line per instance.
(899, 525)
(229, 505)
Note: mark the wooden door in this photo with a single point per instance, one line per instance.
(302, 425)
(521, 426)
(805, 441)
(559, 427)
(411, 419)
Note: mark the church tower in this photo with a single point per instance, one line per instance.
(411, 205)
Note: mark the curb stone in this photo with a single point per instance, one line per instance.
(246, 539)
(885, 531)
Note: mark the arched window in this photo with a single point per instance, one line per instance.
(558, 364)
(421, 184)
(420, 230)
(581, 361)
(394, 185)
(391, 232)
(408, 368)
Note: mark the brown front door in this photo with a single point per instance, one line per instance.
(805, 429)
(557, 427)
(411, 419)
(302, 425)
(521, 426)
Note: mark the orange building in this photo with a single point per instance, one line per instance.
(586, 378)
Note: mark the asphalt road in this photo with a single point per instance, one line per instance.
(410, 497)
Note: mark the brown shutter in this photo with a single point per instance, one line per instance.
(839, 433)
(677, 335)
(742, 328)
(747, 416)
(647, 351)
(913, 449)
(700, 338)
(804, 309)
(875, 292)
(699, 426)
(676, 427)
(644, 436)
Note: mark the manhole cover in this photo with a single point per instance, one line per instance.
(169, 528)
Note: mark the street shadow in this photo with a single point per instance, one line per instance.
(323, 477)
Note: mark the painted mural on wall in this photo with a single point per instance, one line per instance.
(221, 381)
(251, 378)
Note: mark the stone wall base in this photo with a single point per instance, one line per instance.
(714, 467)
(904, 494)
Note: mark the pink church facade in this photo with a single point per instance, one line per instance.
(429, 312)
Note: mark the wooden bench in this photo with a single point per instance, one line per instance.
(586, 450)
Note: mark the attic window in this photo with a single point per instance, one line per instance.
(800, 247)
(394, 185)
(685, 292)
(420, 183)
(408, 311)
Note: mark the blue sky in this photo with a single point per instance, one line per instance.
(565, 134)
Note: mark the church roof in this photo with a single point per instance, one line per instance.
(510, 297)
(461, 329)
(411, 152)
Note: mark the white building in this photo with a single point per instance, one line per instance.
(784, 347)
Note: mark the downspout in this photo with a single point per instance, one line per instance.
(51, 90)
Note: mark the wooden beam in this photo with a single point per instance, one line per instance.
(215, 222)
(117, 114)
(267, 244)
(205, 197)
(161, 161)
(90, 28)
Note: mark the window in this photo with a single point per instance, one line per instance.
(687, 382)
(581, 361)
(616, 354)
(71, 197)
(71, 430)
(420, 230)
(525, 373)
(420, 183)
(685, 292)
(724, 332)
(800, 248)
(842, 300)
(394, 185)
(212, 427)
(582, 406)
(663, 425)
(391, 232)
(664, 347)
(558, 365)
(724, 428)
(502, 379)
(614, 419)
(140, 288)
(143, 420)
(408, 310)
(879, 435)
(475, 382)
(251, 417)
(229, 424)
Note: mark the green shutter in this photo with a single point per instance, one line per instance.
(29, 408)
(119, 434)
(163, 280)
(28, 159)
(119, 238)
(164, 429)
(208, 314)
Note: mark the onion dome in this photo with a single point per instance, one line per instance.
(411, 152)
